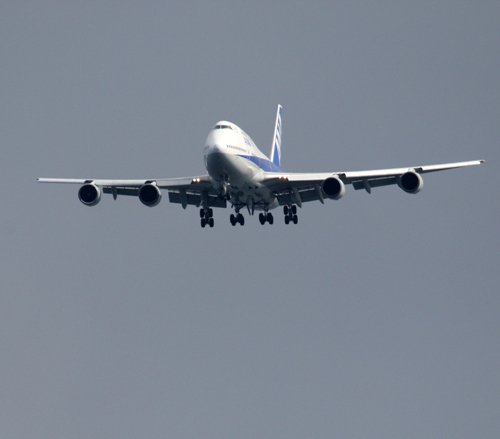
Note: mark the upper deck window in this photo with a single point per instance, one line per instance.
(221, 127)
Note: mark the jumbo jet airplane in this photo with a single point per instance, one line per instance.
(240, 175)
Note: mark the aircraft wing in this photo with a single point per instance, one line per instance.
(296, 188)
(184, 190)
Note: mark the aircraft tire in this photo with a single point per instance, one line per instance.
(294, 209)
(287, 219)
(270, 218)
(295, 219)
(211, 222)
(203, 222)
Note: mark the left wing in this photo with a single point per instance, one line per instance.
(184, 190)
(295, 188)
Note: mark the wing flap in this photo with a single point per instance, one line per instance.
(375, 182)
(290, 197)
(132, 192)
(192, 199)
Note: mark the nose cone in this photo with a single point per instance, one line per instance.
(216, 140)
(215, 149)
(214, 145)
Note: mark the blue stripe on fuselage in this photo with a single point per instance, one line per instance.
(265, 165)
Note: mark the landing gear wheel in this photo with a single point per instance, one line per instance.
(270, 218)
(210, 212)
(287, 219)
(295, 219)
(203, 222)
(211, 222)
(285, 210)
(262, 218)
(232, 219)
(241, 219)
(294, 210)
(202, 213)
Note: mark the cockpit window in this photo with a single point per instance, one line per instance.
(221, 127)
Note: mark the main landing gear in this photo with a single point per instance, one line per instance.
(207, 217)
(290, 214)
(238, 218)
(266, 217)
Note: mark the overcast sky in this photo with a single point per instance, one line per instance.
(377, 316)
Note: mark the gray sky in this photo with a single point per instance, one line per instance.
(376, 316)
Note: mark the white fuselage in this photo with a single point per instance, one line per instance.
(237, 166)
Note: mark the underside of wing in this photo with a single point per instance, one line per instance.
(296, 188)
(185, 190)
(408, 178)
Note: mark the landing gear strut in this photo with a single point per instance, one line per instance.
(238, 218)
(206, 216)
(290, 214)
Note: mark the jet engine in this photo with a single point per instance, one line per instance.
(333, 188)
(411, 182)
(149, 194)
(89, 194)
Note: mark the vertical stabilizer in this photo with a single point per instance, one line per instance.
(276, 148)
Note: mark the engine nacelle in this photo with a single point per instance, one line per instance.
(334, 188)
(149, 194)
(89, 194)
(411, 182)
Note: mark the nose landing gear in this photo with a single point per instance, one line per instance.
(290, 214)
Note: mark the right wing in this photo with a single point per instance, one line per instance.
(184, 190)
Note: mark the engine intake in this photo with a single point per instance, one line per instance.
(89, 194)
(334, 188)
(411, 182)
(149, 194)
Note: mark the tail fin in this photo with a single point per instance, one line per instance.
(276, 148)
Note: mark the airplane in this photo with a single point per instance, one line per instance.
(239, 175)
